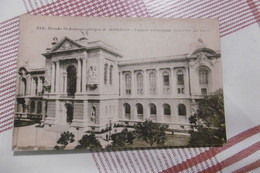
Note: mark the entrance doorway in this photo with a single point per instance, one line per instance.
(71, 80)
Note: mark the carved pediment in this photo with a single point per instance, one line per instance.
(204, 56)
(65, 44)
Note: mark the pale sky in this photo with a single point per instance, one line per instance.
(132, 44)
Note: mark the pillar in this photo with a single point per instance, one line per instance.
(34, 86)
(121, 84)
(28, 87)
(52, 77)
(186, 81)
(57, 88)
(171, 82)
(79, 76)
(158, 82)
(84, 74)
(43, 110)
(26, 105)
(133, 112)
(65, 83)
(145, 83)
(133, 86)
(39, 89)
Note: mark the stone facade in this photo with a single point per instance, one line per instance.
(88, 86)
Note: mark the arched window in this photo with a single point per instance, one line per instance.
(140, 111)
(127, 111)
(105, 74)
(139, 108)
(180, 78)
(140, 83)
(111, 75)
(71, 80)
(32, 107)
(23, 87)
(166, 79)
(39, 107)
(203, 76)
(128, 84)
(152, 82)
(166, 109)
(182, 110)
(153, 110)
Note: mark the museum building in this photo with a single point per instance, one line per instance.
(89, 86)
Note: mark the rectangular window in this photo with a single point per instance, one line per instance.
(152, 81)
(166, 80)
(180, 90)
(128, 84)
(140, 84)
(204, 91)
(180, 79)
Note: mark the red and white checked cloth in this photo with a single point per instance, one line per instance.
(240, 154)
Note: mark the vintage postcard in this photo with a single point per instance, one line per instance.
(118, 83)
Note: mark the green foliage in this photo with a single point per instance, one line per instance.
(89, 142)
(65, 139)
(151, 132)
(121, 139)
(208, 123)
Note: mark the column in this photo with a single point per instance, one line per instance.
(171, 82)
(26, 105)
(28, 88)
(84, 74)
(133, 112)
(78, 76)
(65, 84)
(133, 87)
(158, 82)
(39, 89)
(43, 110)
(57, 89)
(186, 81)
(145, 83)
(146, 111)
(121, 84)
(174, 82)
(52, 77)
(33, 86)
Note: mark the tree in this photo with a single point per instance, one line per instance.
(64, 140)
(151, 132)
(89, 142)
(121, 139)
(208, 123)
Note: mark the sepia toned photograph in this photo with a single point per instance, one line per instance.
(118, 83)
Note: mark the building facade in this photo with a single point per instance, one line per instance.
(89, 86)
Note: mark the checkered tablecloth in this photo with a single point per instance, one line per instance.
(237, 18)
